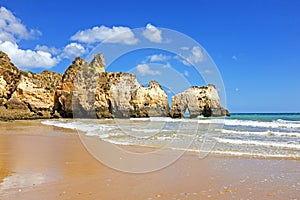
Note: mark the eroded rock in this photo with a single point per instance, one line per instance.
(199, 101)
(25, 95)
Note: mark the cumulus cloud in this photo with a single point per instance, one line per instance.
(196, 55)
(28, 59)
(144, 69)
(72, 50)
(158, 58)
(116, 34)
(152, 33)
(45, 48)
(12, 29)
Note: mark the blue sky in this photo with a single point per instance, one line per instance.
(254, 44)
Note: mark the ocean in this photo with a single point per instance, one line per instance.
(259, 135)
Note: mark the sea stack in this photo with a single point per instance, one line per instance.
(199, 101)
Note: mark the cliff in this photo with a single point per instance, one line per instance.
(199, 101)
(85, 90)
(25, 95)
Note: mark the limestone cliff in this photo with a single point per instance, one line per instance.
(199, 101)
(85, 90)
(25, 95)
(9, 78)
(151, 101)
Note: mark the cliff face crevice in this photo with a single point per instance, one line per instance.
(85, 90)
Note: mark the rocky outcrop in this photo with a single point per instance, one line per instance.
(150, 101)
(199, 101)
(9, 78)
(113, 94)
(98, 63)
(76, 94)
(64, 93)
(85, 90)
(25, 95)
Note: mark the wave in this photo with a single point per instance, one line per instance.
(238, 153)
(272, 124)
(288, 121)
(78, 125)
(111, 133)
(258, 143)
(264, 133)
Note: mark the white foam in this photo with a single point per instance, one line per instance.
(257, 143)
(237, 153)
(264, 133)
(164, 119)
(272, 124)
(251, 154)
(78, 125)
(287, 121)
(145, 130)
(140, 119)
(184, 120)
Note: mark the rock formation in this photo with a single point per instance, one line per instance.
(151, 101)
(25, 95)
(85, 90)
(199, 101)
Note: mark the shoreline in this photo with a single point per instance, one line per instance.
(46, 162)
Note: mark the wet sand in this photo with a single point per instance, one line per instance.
(45, 162)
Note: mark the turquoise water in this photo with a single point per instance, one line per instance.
(266, 116)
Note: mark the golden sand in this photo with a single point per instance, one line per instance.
(45, 162)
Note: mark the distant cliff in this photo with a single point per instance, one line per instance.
(85, 90)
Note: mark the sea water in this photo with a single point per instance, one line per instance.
(274, 135)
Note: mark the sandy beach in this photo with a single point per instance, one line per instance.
(46, 162)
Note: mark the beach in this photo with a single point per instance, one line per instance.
(47, 162)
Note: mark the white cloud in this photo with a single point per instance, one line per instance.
(196, 55)
(116, 34)
(45, 48)
(11, 28)
(144, 69)
(158, 57)
(167, 65)
(152, 33)
(28, 59)
(234, 57)
(72, 50)
(11, 31)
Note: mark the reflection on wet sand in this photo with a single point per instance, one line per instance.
(4, 169)
(26, 159)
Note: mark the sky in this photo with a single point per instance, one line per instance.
(252, 47)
